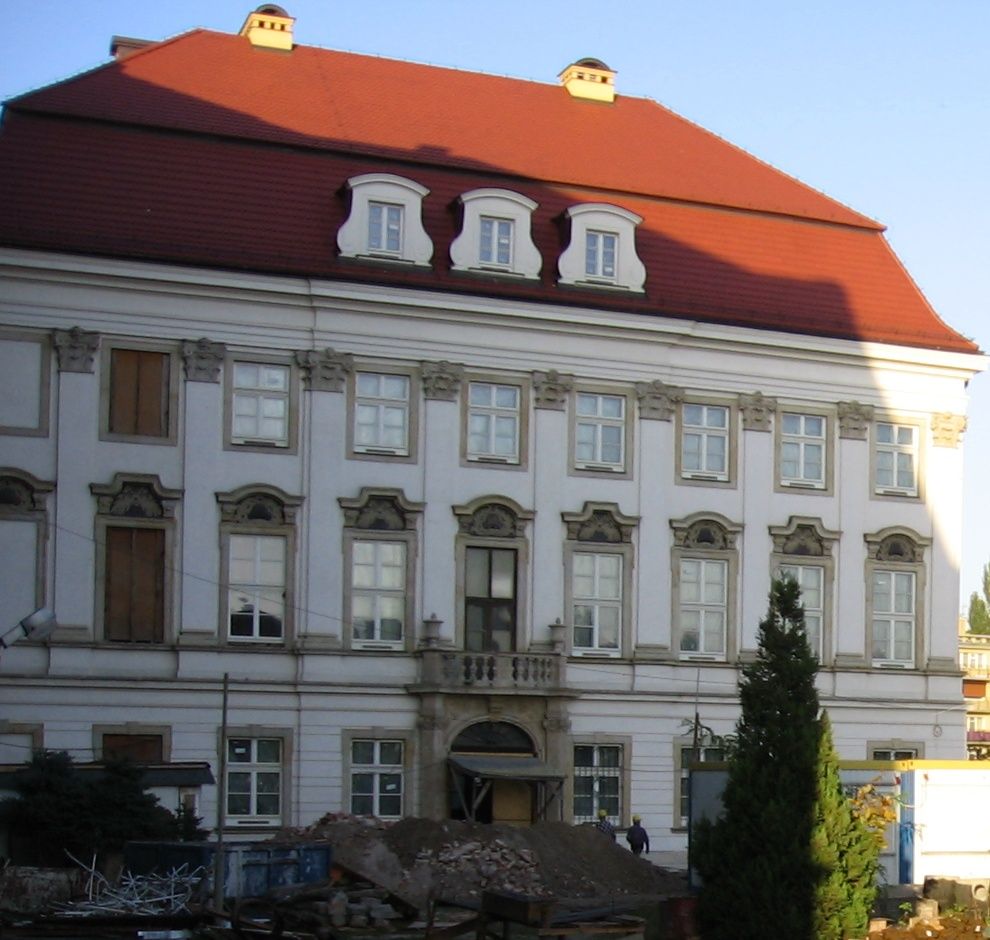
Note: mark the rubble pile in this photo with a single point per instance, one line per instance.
(466, 869)
(420, 860)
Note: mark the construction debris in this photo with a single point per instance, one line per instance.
(171, 893)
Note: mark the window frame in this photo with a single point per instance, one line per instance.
(894, 746)
(378, 769)
(396, 520)
(705, 477)
(367, 189)
(407, 739)
(404, 454)
(787, 567)
(895, 491)
(377, 592)
(706, 537)
(621, 743)
(479, 459)
(258, 510)
(135, 501)
(491, 232)
(239, 822)
(473, 532)
(169, 392)
(28, 507)
(801, 484)
(256, 587)
(260, 445)
(380, 230)
(682, 778)
(599, 467)
(44, 389)
(897, 550)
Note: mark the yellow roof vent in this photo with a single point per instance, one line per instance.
(589, 78)
(269, 27)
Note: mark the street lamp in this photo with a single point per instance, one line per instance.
(36, 626)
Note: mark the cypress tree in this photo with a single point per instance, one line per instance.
(785, 857)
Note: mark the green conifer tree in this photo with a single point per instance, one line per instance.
(779, 859)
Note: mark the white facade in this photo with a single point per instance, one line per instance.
(616, 461)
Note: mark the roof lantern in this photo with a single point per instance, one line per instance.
(589, 78)
(269, 27)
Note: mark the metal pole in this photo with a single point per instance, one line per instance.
(218, 860)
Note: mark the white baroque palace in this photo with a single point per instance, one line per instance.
(461, 422)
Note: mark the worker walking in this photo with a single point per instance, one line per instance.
(603, 825)
(637, 837)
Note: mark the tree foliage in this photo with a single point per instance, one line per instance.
(979, 606)
(787, 857)
(60, 810)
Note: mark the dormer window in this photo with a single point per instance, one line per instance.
(496, 234)
(602, 250)
(386, 220)
(496, 242)
(384, 228)
(599, 255)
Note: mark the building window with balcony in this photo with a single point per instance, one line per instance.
(705, 570)
(492, 553)
(599, 782)
(895, 576)
(380, 540)
(598, 563)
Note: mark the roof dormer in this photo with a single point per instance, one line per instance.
(589, 78)
(269, 27)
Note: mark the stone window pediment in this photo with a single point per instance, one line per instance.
(380, 510)
(136, 496)
(490, 517)
(600, 522)
(258, 505)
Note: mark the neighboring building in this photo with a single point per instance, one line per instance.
(974, 660)
(461, 422)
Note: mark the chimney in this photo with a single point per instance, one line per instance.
(589, 78)
(269, 27)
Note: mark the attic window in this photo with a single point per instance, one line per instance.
(602, 250)
(386, 220)
(496, 234)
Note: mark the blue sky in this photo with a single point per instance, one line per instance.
(883, 105)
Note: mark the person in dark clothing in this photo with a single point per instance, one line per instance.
(637, 837)
(603, 825)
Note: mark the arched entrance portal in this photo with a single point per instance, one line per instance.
(495, 776)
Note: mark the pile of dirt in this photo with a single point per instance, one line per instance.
(419, 859)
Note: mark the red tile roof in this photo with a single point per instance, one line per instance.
(204, 150)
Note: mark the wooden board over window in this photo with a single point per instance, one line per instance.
(139, 393)
(140, 748)
(135, 585)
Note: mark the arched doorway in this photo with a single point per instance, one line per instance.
(495, 775)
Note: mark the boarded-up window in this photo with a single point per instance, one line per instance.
(139, 393)
(140, 748)
(135, 585)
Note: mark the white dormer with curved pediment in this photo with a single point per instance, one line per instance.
(386, 220)
(602, 250)
(496, 234)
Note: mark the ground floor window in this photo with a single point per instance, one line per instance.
(376, 778)
(597, 781)
(254, 780)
